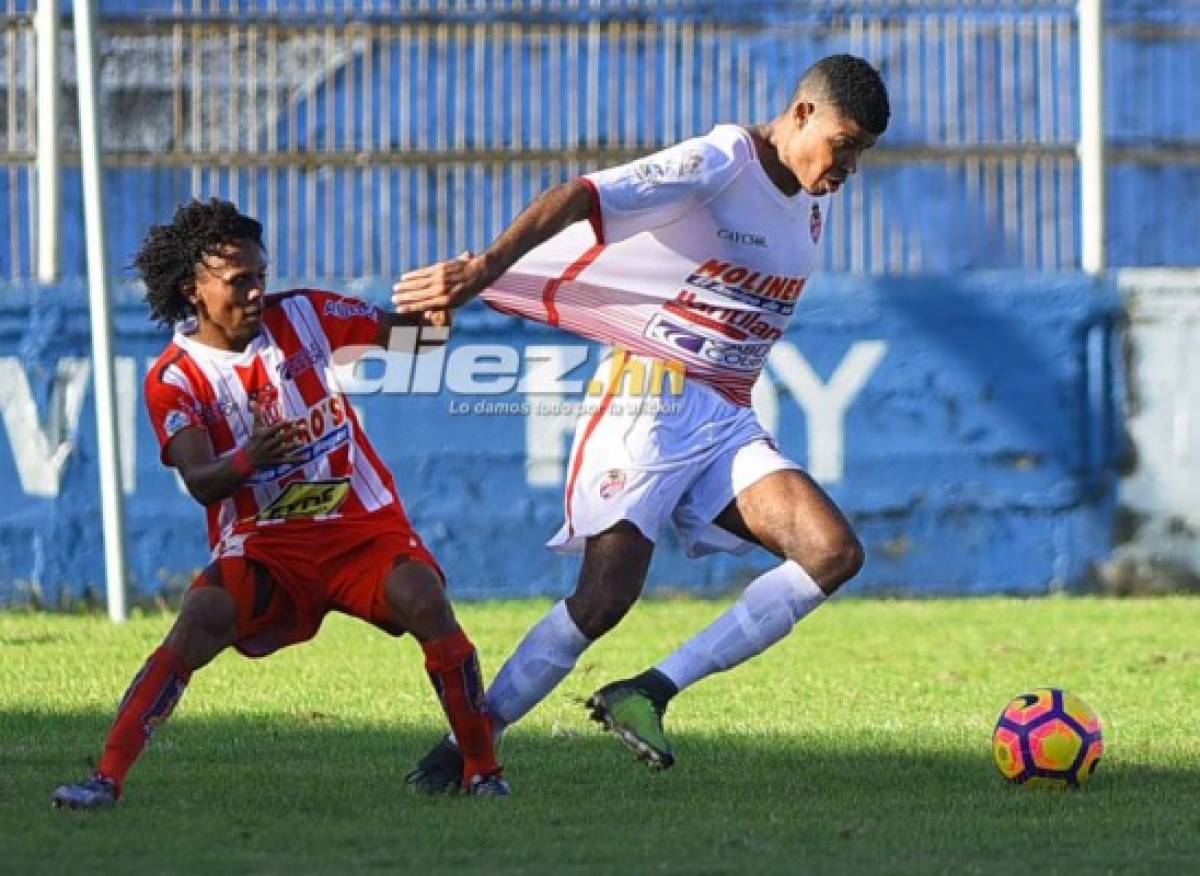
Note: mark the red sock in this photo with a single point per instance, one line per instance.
(453, 667)
(151, 697)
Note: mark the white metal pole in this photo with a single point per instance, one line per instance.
(49, 204)
(99, 307)
(1094, 255)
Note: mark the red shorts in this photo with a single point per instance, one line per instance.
(286, 578)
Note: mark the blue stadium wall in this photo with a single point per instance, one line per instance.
(970, 426)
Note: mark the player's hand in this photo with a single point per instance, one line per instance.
(274, 444)
(442, 286)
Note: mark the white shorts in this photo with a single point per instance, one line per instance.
(657, 457)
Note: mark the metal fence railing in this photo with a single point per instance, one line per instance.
(18, 126)
(369, 141)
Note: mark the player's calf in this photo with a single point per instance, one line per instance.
(149, 701)
(206, 625)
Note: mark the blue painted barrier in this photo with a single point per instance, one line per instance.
(970, 426)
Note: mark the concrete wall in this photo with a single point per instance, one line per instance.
(969, 425)
(1159, 515)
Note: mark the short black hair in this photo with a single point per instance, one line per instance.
(853, 86)
(170, 253)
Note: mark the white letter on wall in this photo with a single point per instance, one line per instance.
(825, 404)
(40, 454)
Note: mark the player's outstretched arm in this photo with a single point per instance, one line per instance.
(453, 283)
(210, 479)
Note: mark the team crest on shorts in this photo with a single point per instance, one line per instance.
(176, 421)
(814, 223)
(612, 483)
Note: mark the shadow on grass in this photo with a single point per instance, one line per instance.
(310, 793)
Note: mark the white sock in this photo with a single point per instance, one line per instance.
(764, 613)
(547, 653)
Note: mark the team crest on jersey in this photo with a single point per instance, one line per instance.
(266, 399)
(814, 223)
(176, 421)
(612, 483)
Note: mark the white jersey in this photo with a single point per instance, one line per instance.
(693, 256)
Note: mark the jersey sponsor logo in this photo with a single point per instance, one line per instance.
(304, 359)
(321, 430)
(306, 499)
(176, 421)
(670, 168)
(341, 309)
(730, 322)
(733, 356)
(612, 483)
(746, 238)
(814, 223)
(770, 292)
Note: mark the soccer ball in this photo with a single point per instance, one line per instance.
(1047, 738)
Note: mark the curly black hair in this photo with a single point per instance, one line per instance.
(853, 86)
(170, 253)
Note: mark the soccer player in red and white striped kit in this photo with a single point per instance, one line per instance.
(303, 516)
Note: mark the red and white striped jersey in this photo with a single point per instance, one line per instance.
(288, 371)
(693, 256)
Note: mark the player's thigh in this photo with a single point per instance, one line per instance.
(789, 514)
(614, 569)
(382, 573)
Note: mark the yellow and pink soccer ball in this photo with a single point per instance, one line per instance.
(1047, 738)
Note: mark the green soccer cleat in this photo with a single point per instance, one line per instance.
(635, 719)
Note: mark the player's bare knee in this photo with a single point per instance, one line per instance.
(210, 610)
(418, 601)
(206, 625)
(832, 559)
(596, 615)
(841, 559)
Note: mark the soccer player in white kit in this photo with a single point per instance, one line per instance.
(697, 256)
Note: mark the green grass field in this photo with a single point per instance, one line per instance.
(859, 745)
